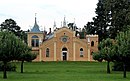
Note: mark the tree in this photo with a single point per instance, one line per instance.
(120, 15)
(122, 49)
(26, 55)
(100, 22)
(10, 49)
(90, 29)
(11, 26)
(105, 52)
(112, 17)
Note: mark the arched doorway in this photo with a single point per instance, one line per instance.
(64, 54)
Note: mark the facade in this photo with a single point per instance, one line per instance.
(63, 44)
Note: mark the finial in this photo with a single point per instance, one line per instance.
(64, 22)
(54, 26)
(74, 20)
(35, 14)
(35, 18)
(61, 23)
(44, 28)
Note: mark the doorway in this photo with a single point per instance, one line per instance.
(64, 54)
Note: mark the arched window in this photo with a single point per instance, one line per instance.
(92, 43)
(35, 41)
(64, 49)
(34, 36)
(47, 52)
(81, 52)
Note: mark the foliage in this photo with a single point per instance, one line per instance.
(120, 15)
(122, 48)
(26, 55)
(11, 26)
(10, 49)
(113, 16)
(10, 67)
(105, 52)
(10, 46)
(100, 22)
(118, 66)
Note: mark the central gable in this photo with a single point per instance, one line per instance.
(64, 31)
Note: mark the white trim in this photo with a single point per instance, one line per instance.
(40, 58)
(64, 46)
(62, 55)
(54, 51)
(88, 54)
(74, 51)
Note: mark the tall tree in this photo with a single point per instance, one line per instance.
(120, 15)
(112, 16)
(10, 49)
(11, 26)
(100, 22)
(90, 29)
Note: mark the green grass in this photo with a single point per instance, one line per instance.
(64, 71)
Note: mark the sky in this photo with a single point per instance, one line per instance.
(48, 11)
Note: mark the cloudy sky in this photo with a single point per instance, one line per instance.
(48, 11)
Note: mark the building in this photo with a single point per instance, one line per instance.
(63, 44)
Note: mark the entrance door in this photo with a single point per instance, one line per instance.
(64, 54)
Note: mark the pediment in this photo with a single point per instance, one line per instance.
(64, 29)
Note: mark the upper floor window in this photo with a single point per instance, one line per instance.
(35, 41)
(47, 52)
(92, 43)
(81, 52)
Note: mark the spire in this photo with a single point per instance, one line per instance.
(35, 18)
(64, 22)
(44, 28)
(35, 27)
(61, 23)
(74, 25)
(54, 26)
(74, 22)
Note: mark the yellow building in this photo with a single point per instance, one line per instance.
(63, 44)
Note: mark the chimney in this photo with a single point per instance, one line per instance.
(50, 30)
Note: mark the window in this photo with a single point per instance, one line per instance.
(81, 52)
(35, 41)
(92, 53)
(47, 52)
(92, 43)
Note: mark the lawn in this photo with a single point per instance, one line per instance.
(64, 71)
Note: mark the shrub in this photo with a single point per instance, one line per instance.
(118, 66)
(10, 67)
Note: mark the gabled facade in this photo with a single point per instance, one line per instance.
(65, 46)
(62, 45)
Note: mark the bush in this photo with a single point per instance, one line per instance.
(10, 67)
(118, 66)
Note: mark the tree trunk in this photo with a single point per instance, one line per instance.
(108, 67)
(124, 67)
(4, 70)
(22, 66)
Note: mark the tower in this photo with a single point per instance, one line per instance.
(35, 38)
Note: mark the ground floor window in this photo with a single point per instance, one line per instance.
(47, 52)
(81, 52)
